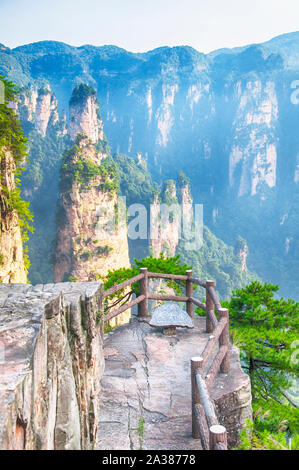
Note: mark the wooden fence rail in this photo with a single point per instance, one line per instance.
(205, 425)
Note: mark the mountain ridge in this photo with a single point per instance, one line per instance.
(281, 38)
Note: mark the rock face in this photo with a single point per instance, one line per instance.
(254, 147)
(146, 389)
(84, 114)
(241, 250)
(89, 240)
(51, 363)
(92, 236)
(172, 219)
(165, 221)
(12, 267)
(39, 107)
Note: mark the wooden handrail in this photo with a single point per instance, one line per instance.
(198, 303)
(213, 294)
(171, 277)
(213, 340)
(214, 369)
(173, 298)
(125, 307)
(198, 282)
(122, 285)
(209, 307)
(205, 424)
(204, 420)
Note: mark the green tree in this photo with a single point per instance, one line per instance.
(265, 328)
(12, 139)
(162, 264)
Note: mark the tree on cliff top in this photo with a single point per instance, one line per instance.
(12, 139)
(81, 93)
(266, 330)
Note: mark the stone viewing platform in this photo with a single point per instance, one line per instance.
(146, 389)
(66, 385)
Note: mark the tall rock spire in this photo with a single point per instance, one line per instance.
(85, 114)
(91, 238)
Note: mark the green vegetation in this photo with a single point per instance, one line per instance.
(216, 260)
(40, 185)
(12, 139)
(103, 250)
(159, 265)
(265, 329)
(182, 180)
(11, 135)
(169, 193)
(76, 168)
(81, 93)
(141, 430)
(135, 180)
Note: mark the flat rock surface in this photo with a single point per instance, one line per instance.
(145, 400)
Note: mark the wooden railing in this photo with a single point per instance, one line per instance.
(205, 425)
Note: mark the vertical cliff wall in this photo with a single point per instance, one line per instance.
(51, 363)
(172, 215)
(14, 212)
(90, 238)
(91, 233)
(166, 221)
(85, 114)
(12, 266)
(38, 106)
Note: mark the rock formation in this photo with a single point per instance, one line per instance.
(254, 147)
(228, 119)
(241, 250)
(172, 218)
(147, 380)
(39, 107)
(51, 363)
(90, 241)
(85, 114)
(165, 221)
(12, 265)
(91, 231)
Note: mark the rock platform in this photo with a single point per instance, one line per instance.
(145, 399)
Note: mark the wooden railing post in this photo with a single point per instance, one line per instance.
(224, 340)
(189, 293)
(143, 306)
(209, 307)
(196, 367)
(218, 437)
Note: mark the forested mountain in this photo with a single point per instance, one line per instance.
(229, 120)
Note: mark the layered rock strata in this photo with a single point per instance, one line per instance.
(51, 363)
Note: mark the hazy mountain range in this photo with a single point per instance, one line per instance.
(228, 119)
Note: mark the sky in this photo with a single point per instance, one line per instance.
(139, 25)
